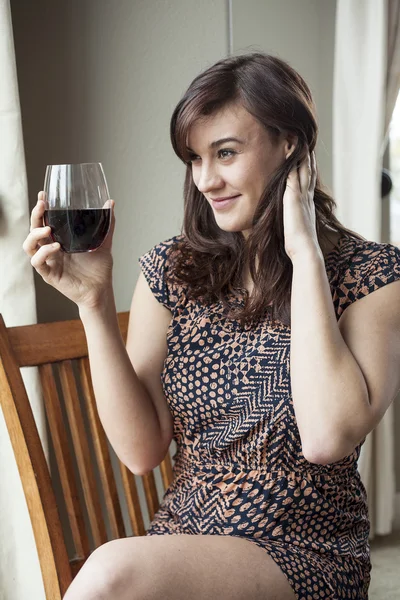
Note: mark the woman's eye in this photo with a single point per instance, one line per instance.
(225, 153)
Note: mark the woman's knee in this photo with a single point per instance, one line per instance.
(103, 575)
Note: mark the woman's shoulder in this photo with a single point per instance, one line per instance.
(362, 266)
(361, 256)
(156, 265)
(160, 255)
(165, 247)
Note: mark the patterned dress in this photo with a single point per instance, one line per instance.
(239, 469)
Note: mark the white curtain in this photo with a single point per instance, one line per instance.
(393, 60)
(20, 576)
(358, 133)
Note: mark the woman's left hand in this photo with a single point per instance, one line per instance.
(299, 210)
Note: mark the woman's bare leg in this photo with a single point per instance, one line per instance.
(180, 567)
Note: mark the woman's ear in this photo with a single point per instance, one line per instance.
(290, 144)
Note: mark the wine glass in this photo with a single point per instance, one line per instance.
(77, 207)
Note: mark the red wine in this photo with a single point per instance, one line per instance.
(78, 230)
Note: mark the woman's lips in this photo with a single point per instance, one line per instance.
(219, 204)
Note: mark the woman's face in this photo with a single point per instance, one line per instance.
(233, 157)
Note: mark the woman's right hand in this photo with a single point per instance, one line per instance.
(81, 277)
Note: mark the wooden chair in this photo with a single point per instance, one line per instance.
(59, 350)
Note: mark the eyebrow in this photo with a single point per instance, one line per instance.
(220, 142)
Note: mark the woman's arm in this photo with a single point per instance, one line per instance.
(126, 381)
(345, 374)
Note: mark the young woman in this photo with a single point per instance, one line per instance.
(256, 343)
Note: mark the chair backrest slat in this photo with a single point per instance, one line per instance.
(166, 471)
(64, 463)
(150, 490)
(76, 564)
(82, 452)
(106, 473)
(132, 500)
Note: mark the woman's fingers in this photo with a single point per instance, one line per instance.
(108, 241)
(38, 260)
(293, 181)
(38, 212)
(308, 173)
(305, 174)
(314, 172)
(37, 235)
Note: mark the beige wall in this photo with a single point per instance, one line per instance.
(99, 80)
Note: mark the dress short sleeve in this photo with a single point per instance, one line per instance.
(155, 265)
(363, 267)
(380, 265)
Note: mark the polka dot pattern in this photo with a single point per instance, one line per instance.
(239, 468)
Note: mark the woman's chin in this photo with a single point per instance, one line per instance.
(234, 227)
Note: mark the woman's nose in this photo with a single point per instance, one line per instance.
(209, 179)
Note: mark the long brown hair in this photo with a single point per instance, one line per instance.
(211, 261)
